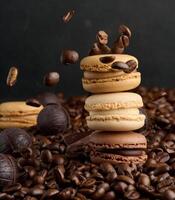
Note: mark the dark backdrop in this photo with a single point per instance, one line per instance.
(32, 36)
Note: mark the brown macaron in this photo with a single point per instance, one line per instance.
(118, 147)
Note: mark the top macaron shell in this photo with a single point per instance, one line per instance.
(100, 77)
(115, 111)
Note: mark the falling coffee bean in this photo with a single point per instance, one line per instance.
(69, 57)
(51, 79)
(102, 37)
(124, 30)
(68, 16)
(12, 76)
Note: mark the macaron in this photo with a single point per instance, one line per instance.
(128, 147)
(18, 114)
(115, 111)
(101, 77)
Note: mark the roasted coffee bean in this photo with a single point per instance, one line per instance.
(132, 66)
(102, 37)
(12, 76)
(109, 196)
(59, 172)
(111, 176)
(169, 195)
(69, 57)
(144, 180)
(107, 59)
(36, 191)
(88, 183)
(12, 188)
(33, 102)
(125, 179)
(46, 156)
(119, 65)
(119, 187)
(132, 195)
(124, 30)
(125, 40)
(67, 193)
(51, 79)
(107, 167)
(68, 16)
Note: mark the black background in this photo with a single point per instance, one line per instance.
(32, 36)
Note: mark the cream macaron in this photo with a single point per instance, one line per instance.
(115, 111)
(18, 114)
(101, 77)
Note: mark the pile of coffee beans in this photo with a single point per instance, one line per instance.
(46, 170)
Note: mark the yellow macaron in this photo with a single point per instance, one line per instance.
(115, 111)
(18, 114)
(101, 77)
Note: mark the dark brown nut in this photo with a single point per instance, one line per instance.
(8, 170)
(51, 79)
(53, 119)
(69, 57)
(12, 76)
(68, 16)
(124, 30)
(14, 140)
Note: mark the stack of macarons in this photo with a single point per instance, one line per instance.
(114, 112)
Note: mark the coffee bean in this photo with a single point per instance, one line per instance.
(132, 66)
(33, 102)
(125, 40)
(119, 65)
(125, 179)
(46, 156)
(12, 188)
(36, 191)
(68, 16)
(51, 79)
(88, 183)
(12, 76)
(107, 59)
(132, 195)
(124, 30)
(169, 195)
(67, 193)
(144, 180)
(111, 176)
(102, 37)
(119, 187)
(109, 196)
(69, 57)
(107, 167)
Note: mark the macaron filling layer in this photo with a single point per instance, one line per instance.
(133, 75)
(123, 152)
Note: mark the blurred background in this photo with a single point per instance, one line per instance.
(32, 35)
